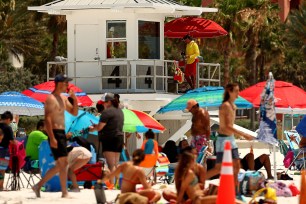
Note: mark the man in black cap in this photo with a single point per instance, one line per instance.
(55, 105)
(192, 53)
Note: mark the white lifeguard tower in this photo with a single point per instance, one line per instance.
(117, 45)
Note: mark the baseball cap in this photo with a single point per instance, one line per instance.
(190, 104)
(107, 97)
(62, 78)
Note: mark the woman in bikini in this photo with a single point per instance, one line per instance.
(186, 181)
(133, 175)
(198, 170)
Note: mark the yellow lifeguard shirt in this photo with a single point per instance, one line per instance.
(192, 50)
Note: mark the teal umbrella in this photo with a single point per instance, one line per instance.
(208, 97)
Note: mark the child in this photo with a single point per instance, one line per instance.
(150, 146)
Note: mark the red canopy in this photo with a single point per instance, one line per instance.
(195, 27)
(286, 95)
(41, 91)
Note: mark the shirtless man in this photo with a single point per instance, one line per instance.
(200, 128)
(227, 114)
(55, 105)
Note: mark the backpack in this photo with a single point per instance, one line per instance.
(250, 182)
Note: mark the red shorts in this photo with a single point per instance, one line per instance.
(191, 69)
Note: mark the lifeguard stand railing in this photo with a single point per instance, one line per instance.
(128, 76)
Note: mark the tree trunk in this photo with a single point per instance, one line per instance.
(261, 65)
(250, 62)
(226, 55)
(54, 45)
(53, 54)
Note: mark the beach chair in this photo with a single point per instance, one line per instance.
(299, 153)
(202, 155)
(162, 166)
(169, 177)
(31, 168)
(17, 161)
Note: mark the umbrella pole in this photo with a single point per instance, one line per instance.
(274, 162)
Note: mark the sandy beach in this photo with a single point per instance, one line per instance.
(26, 195)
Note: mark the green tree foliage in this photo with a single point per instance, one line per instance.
(293, 67)
(17, 79)
(259, 27)
(19, 32)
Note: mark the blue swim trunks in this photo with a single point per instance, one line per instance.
(221, 139)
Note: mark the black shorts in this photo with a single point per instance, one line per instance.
(245, 166)
(61, 150)
(112, 143)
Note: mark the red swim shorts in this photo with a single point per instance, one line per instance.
(191, 69)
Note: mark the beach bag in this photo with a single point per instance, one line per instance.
(178, 74)
(251, 182)
(288, 159)
(131, 198)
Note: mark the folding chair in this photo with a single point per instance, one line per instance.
(171, 167)
(202, 155)
(294, 138)
(162, 166)
(17, 156)
(31, 167)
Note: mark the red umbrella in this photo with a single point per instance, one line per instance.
(286, 95)
(41, 91)
(195, 27)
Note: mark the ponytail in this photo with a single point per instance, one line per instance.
(228, 88)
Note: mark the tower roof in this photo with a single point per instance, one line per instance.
(166, 7)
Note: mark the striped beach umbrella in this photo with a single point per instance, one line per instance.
(41, 91)
(20, 104)
(138, 121)
(208, 97)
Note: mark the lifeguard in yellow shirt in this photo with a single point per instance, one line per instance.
(191, 57)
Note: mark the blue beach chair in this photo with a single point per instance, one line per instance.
(299, 160)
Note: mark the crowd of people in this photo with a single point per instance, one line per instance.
(189, 175)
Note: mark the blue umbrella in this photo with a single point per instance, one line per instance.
(20, 104)
(267, 125)
(208, 97)
(79, 124)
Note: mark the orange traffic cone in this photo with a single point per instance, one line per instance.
(226, 190)
(303, 188)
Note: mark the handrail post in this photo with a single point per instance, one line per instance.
(128, 69)
(48, 76)
(165, 71)
(219, 75)
(101, 74)
(209, 79)
(154, 74)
